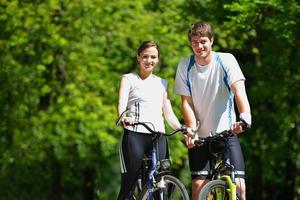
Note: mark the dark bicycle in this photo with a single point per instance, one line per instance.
(222, 185)
(155, 180)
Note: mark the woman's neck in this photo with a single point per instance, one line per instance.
(143, 75)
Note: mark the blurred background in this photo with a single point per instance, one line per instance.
(60, 66)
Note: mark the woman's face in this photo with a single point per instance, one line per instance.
(148, 59)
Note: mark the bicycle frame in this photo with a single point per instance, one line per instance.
(221, 163)
(155, 167)
(227, 178)
(153, 173)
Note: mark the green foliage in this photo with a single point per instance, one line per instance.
(272, 29)
(60, 65)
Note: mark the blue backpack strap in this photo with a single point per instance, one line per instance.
(231, 95)
(188, 82)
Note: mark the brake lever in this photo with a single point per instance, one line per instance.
(119, 121)
(245, 125)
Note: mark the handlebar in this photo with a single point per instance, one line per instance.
(221, 135)
(182, 129)
(218, 136)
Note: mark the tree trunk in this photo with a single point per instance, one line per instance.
(88, 183)
(56, 187)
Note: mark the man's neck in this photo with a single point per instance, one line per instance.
(200, 60)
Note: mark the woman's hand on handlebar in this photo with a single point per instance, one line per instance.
(128, 121)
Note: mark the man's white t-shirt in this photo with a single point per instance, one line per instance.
(209, 92)
(145, 101)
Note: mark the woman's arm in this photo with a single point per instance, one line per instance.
(169, 114)
(124, 89)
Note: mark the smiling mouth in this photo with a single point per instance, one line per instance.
(201, 51)
(148, 66)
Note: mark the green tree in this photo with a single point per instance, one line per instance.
(60, 64)
(270, 32)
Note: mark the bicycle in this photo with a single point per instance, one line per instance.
(155, 180)
(222, 185)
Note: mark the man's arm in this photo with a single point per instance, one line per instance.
(242, 103)
(188, 112)
(189, 119)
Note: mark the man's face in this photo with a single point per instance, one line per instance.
(201, 46)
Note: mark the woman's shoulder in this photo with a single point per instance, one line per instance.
(158, 78)
(164, 82)
(130, 76)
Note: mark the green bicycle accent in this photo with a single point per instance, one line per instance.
(231, 186)
(222, 186)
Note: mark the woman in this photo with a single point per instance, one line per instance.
(145, 96)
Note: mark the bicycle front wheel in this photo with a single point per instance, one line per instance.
(216, 190)
(167, 187)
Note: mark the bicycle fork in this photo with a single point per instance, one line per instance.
(231, 186)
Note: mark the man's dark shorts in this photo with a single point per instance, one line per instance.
(199, 160)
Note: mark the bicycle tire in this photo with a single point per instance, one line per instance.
(209, 191)
(171, 189)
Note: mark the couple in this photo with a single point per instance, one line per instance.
(207, 82)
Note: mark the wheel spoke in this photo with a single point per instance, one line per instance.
(216, 190)
(167, 188)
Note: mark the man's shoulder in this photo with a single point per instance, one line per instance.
(187, 59)
(225, 55)
(184, 63)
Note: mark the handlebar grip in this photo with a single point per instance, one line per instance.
(245, 125)
(183, 129)
(199, 141)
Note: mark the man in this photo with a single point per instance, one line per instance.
(208, 82)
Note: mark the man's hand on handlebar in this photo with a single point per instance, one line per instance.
(239, 127)
(189, 137)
